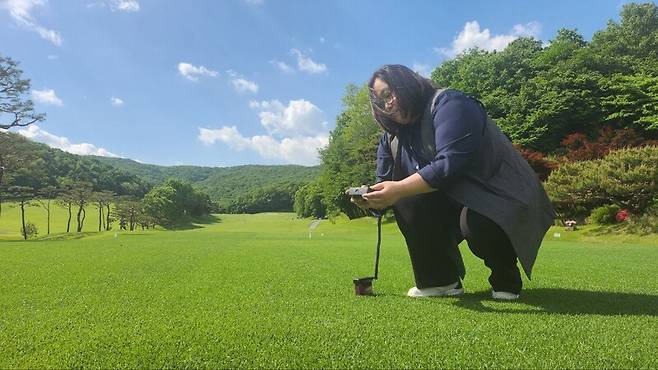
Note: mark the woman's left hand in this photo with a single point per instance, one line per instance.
(385, 194)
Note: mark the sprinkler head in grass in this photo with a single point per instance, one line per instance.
(363, 286)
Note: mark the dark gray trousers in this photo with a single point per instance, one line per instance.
(433, 225)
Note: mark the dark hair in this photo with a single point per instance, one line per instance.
(411, 90)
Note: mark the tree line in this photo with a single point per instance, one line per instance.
(170, 204)
(238, 189)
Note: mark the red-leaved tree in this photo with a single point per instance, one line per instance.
(581, 148)
(538, 162)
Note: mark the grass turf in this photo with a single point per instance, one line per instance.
(256, 291)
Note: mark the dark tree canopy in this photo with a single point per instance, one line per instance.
(15, 108)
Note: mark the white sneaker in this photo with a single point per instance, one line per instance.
(439, 291)
(505, 296)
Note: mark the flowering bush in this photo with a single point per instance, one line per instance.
(622, 215)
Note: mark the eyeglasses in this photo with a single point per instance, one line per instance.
(380, 101)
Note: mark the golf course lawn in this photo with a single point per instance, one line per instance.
(260, 291)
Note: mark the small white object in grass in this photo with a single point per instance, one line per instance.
(312, 227)
(557, 235)
(322, 234)
(116, 235)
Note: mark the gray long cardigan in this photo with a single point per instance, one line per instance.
(501, 185)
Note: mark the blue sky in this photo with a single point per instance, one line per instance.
(223, 83)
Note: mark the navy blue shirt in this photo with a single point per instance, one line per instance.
(459, 123)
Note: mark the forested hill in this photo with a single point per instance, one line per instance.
(37, 166)
(250, 188)
(252, 181)
(155, 174)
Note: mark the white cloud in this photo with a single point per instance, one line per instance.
(283, 66)
(192, 72)
(20, 12)
(422, 69)
(295, 150)
(472, 36)
(52, 57)
(117, 102)
(116, 5)
(240, 84)
(298, 118)
(295, 132)
(254, 2)
(124, 5)
(33, 132)
(46, 96)
(530, 29)
(96, 4)
(306, 64)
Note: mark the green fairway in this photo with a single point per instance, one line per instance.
(257, 291)
(10, 219)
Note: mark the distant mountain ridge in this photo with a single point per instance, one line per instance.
(224, 185)
(156, 174)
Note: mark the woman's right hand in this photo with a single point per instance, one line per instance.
(360, 202)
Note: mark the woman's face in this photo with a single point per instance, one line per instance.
(386, 101)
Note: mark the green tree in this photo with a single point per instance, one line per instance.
(43, 199)
(2, 185)
(16, 110)
(102, 200)
(632, 101)
(129, 210)
(350, 156)
(309, 201)
(630, 46)
(160, 203)
(175, 202)
(81, 194)
(23, 195)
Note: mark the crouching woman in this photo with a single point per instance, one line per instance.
(450, 174)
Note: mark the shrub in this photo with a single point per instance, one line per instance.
(629, 177)
(572, 188)
(648, 222)
(30, 230)
(604, 215)
(626, 177)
